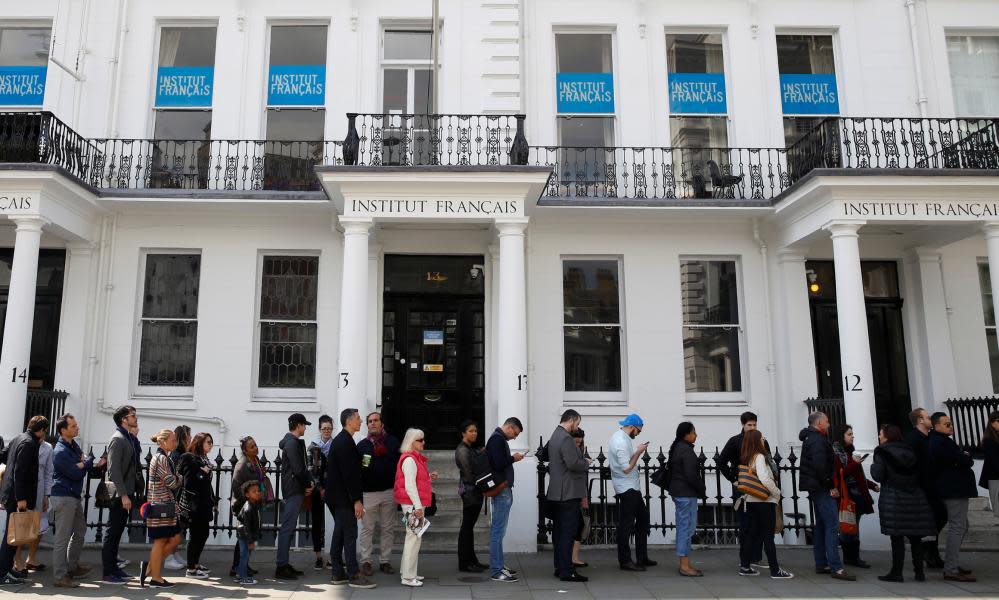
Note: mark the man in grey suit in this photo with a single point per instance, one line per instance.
(566, 488)
(124, 454)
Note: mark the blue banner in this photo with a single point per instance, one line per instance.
(809, 94)
(22, 86)
(697, 93)
(296, 85)
(185, 86)
(585, 92)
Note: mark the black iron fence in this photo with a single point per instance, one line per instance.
(224, 521)
(51, 404)
(970, 417)
(40, 137)
(717, 522)
(832, 407)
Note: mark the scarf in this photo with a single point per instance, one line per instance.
(378, 441)
(324, 447)
(136, 447)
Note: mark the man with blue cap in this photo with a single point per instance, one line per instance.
(633, 514)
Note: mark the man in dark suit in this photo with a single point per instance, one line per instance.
(566, 488)
(124, 482)
(954, 481)
(918, 439)
(20, 489)
(345, 499)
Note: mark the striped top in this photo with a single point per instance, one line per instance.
(162, 483)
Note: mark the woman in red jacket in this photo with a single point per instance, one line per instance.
(414, 492)
(849, 468)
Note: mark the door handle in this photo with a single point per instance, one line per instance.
(435, 397)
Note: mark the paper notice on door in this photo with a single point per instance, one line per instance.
(433, 337)
(431, 368)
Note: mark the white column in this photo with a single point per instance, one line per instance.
(16, 351)
(796, 355)
(938, 375)
(511, 330)
(854, 344)
(78, 295)
(992, 242)
(353, 348)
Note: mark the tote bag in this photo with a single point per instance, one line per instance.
(847, 511)
(748, 483)
(24, 528)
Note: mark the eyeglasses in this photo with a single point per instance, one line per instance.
(418, 440)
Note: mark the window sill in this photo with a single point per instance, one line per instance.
(282, 405)
(171, 401)
(598, 409)
(715, 410)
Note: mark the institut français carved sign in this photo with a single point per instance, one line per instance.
(447, 209)
(955, 210)
(18, 203)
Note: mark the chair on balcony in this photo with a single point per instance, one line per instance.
(720, 181)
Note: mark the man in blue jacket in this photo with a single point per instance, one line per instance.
(954, 481)
(70, 468)
(501, 461)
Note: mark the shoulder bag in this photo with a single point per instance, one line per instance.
(748, 483)
(488, 482)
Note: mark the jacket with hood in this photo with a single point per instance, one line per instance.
(902, 505)
(295, 478)
(817, 463)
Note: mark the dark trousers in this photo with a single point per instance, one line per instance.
(466, 535)
(318, 521)
(6, 552)
(633, 517)
(117, 520)
(931, 545)
(566, 517)
(760, 534)
(343, 550)
(898, 553)
(757, 551)
(198, 529)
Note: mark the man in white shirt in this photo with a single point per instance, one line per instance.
(633, 514)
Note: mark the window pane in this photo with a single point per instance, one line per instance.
(24, 46)
(187, 47)
(805, 54)
(288, 287)
(298, 45)
(408, 45)
(711, 359)
(394, 91)
(699, 132)
(988, 306)
(287, 355)
(183, 125)
(583, 52)
(709, 292)
(974, 74)
(592, 359)
(796, 127)
(587, 132)
(171, 287)
(422, 85)
(590, 291)
(990, 337)
(295, 124)
(695, 53)
(166, 353)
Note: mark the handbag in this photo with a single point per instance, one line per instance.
(23, 527)
(160, 510)
(431, 510)
(748, 483)
(662, 477)
(778, 520)
(102, 496)
(847, 511)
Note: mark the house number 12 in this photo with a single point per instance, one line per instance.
(854, 386)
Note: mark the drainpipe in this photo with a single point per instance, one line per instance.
(910, 6)
(114, 81)
(767, 318)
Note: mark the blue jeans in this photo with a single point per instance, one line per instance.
(502, 502)
(244, 559)
(686, 523)
(343, 548)
(289, 521)
(826, 534)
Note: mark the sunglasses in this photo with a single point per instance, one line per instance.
(418, 440)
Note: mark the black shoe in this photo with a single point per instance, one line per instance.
(472, 569)
(631, 567)
(920, 576)
(319, 565)
(580, 565)
(575, 578)
(858, 562)
(296, 571)
(891, 577)
(284, 572)
(22, 574)
(934, 562)
(160, 584)
(340, 579)
(823, 571)
(648, 563)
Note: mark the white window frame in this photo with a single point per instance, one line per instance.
(30, 23)
(834, 34)
(703, 399)
(268, 394)
(962, 32)
(723, 33)
(161, 392)
(608, 398)
(409, 65)
(171, 24)
(267, 65)
(601, 30)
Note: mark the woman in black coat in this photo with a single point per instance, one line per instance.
(687, 487)
(990, 468)
(903, 508)
(198, 500)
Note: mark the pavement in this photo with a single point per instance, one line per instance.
(444, 582)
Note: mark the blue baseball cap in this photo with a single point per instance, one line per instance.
(633, 419)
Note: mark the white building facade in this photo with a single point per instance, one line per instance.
(684, 210)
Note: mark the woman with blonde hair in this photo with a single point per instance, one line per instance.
(414, 492)
(163, 531)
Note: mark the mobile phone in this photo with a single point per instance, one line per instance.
(864, 457)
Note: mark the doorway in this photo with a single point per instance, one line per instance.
(885, 332)
(433, 345)
(48, 308)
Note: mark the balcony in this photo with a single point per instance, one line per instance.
(725, 176)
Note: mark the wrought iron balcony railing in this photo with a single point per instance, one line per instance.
(398, 140)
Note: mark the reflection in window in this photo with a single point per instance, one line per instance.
(711, 329)
(24, 46)
(974, 74)
(169, 328)
(988, 308)
(288, 322)
(591, 325)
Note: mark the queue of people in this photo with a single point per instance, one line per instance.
(924, 481)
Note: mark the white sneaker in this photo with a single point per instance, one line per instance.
(173, 563)
(412, 582)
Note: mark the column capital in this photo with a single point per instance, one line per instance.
(29, 223)
(81, 248)
(512, 226)
(991, 229)
(791, 254)
(356, 225)
(924, 254)
(844, 228)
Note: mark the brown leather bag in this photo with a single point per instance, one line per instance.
(24, 528)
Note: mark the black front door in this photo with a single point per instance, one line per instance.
(433, 346)
(48, 307)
